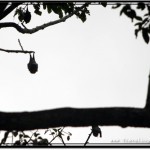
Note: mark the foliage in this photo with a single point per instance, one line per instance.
(143, 21)
(61, 9)
(36, 138)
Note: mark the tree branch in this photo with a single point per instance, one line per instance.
(43, 26)
(16, 51)
(124, 117)
(114, 116)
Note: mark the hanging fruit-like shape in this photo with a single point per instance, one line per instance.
(96, 131)
(32, 65)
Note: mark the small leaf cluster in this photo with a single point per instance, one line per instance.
(35, 138)
(64, 8)
(129, 12)
(20, 135)
(59, 133)
(61, 9)
(37, 10)
(144, 25)
(24, 15)
(83, 14)
(143, 21)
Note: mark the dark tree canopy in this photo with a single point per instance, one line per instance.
(62, 9)
(65, 10)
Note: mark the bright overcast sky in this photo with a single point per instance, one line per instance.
(98, 63)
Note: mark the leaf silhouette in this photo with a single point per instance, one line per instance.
(141, 6)
(145, 35)
(136, 32)
(104, 4)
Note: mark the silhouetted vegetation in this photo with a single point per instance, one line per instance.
(18, 124)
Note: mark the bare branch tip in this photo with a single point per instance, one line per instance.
(20, 44)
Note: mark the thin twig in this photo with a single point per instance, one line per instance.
(62, 137)
(24, 26)
(53, 139)
(88, 139)
(16, 51)
(32, 136)
(20, 45)
(62, 140)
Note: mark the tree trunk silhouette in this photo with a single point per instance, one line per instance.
(113, 116)
(147, 106)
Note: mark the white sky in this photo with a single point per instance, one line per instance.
(98, 63)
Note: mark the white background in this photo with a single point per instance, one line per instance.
(98, 63)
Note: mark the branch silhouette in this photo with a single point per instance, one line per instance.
(75, 117)
(16, 51)
(43, 26)
(124, 117)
